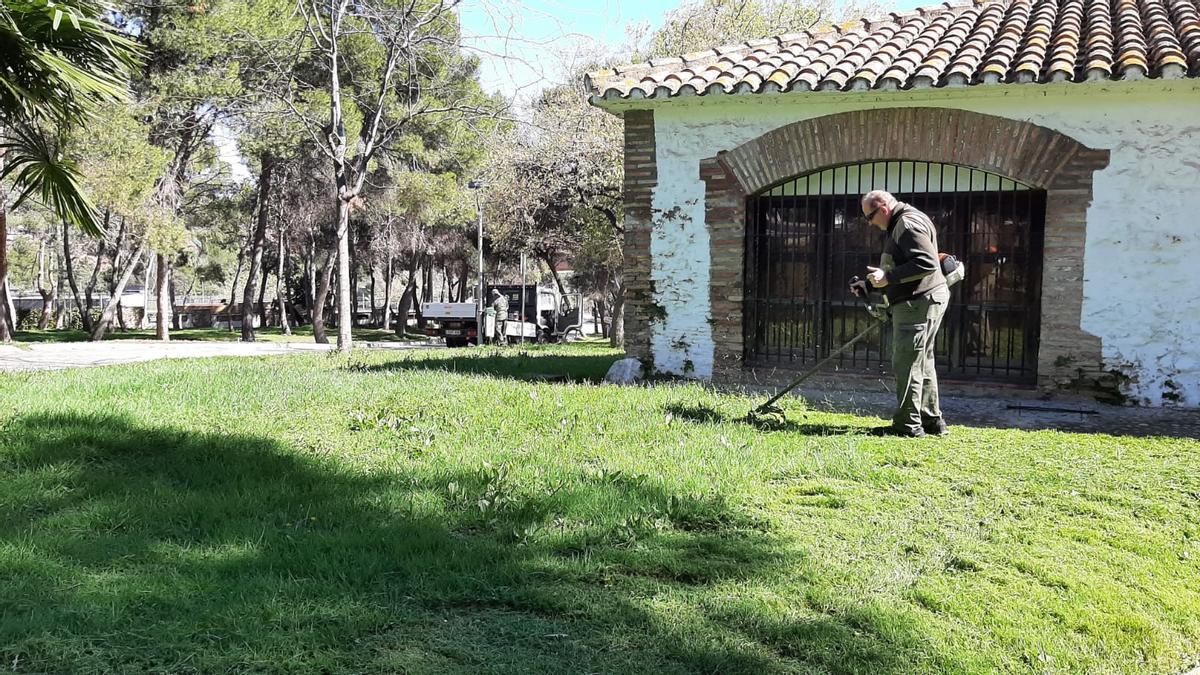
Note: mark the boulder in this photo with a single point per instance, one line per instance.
(625, 371)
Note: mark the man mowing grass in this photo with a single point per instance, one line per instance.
(910, 275)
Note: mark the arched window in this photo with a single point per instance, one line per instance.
(806, 238)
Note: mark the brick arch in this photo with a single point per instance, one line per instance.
(1027, 152)
(1032, 154)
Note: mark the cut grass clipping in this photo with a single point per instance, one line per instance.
(452, 511)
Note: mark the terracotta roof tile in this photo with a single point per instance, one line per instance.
(952, 44)
(1186, 18)
(1098, 48)
(1007, 43)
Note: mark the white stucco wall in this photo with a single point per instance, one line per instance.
(1142, 284)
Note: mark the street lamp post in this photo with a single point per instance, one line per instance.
(477, 186)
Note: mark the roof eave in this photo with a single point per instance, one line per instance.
(617, 104)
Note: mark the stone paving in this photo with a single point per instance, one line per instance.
(57, 356)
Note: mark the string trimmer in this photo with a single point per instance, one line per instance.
(859, 288)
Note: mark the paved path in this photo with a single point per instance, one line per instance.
(57, 356)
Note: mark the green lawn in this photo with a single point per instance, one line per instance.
(299, 334)
(424, 512)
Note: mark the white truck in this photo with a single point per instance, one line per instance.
(453, 321)
(545, 316)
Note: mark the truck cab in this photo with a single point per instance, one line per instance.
(539, 314)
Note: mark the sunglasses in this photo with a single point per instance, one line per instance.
(871, 215)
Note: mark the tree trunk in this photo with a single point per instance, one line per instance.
(281, 287)
(112, 291)
(322, 293)
(106, 316)
(47, 293)
(406, 303)
(58, 294)
(310, 277)
(333, 291)
(258, 240)
(345, 310)
(162, 272)
(5, 334)
(354, 269)
(121, 314)
(85, 315)
(144, 320)
(546, 258)
(406, 298)
(186, 294)
(175, 318)
(374, 309)
(9, 311)
(260, 303)
(387, 292)
(616, 333)
(237, 273)
(101, 252)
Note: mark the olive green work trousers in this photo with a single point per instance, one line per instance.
(915, 324)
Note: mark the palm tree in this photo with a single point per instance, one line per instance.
(60, 60)
(60, 57)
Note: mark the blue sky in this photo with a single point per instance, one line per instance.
(524, 43)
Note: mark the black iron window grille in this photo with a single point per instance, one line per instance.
(806, 237)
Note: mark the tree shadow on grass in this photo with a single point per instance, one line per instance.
(128, 547)
(214, 334)
(118, 335)
(511, 362)
(36, 336)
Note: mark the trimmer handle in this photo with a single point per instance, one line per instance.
(861, 289)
